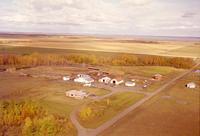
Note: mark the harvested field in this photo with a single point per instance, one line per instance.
(173, 112)
(122, 45)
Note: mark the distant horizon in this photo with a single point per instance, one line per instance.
(100, 35)
(178, 18)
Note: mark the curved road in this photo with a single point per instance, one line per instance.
(92, 132)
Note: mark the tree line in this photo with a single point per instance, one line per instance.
(37, 59)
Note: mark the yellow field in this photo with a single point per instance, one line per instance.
(125, 45)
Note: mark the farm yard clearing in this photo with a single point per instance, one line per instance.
(84, 87)
(51, 90)
(50, 93)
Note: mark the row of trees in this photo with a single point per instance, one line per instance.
(36, 59)
(26, 118)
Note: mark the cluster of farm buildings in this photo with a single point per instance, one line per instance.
(106, 79)
(97, 76)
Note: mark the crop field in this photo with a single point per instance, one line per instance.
(171, 113)
(122, 45)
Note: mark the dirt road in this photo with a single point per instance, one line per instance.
(92, 132)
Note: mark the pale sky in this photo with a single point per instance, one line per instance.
(106, 17)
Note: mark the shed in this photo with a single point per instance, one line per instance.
(88, 85)
(157, 76)
(76, 94)
(82, 78)
(130, 84)
(105, 79)
(191, 85)
(117, 81)
(11, 69)
(197, 71)
(66, 78)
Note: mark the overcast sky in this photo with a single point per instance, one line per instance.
(109, 17)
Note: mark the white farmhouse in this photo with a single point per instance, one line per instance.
(82, 78)
(76, 94)
(191, 85)
(105, 79)
(130, 84)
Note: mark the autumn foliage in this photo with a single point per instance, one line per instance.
(26, 118)
(36, 59)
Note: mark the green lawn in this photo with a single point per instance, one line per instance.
(106, 108)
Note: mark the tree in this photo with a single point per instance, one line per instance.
(85, 113)
(27, 129)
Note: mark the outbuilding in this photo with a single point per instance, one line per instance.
(66, 78)
(105, 79)
(82, 78)
(130, 84)
(11, 69)
(197, 71)
(157, 77)
(87, 85)
(76, 94)
(191, 85)
(116, 81)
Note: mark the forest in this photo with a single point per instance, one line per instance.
(38, 59)
(26, 118)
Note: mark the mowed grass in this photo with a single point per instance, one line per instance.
(109, 107)
(174, 112)
(147, 71)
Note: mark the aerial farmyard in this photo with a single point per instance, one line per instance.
(99, 68)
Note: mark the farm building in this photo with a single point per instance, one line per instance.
(82, 78)
(157, 77)
(66, 78)
(130, 84)
(12, 69)
(88, 85)
(117, 81)
(105, 79)
(197, 71)
(191, 85)
(76, 94)
(83, 75)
